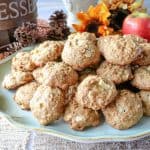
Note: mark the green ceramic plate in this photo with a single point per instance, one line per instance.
(24, 119)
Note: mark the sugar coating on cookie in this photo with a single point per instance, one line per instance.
(23, 77)
(47, 104)
(38, 75)
(142, 78)
(22, 62)
(145, 96)
(144, 58)
(24, 94)
(81, 51)
(80, 117)
(116, 73)
(120, 50)
(125, 112)
(59, 74)
(47, 51)
(16, 79)
(70, 93)
(95, 92)
(9, 82)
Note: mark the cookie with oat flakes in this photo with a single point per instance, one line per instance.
(24, 94)
(144, 58)
(120, 50)
(81, 51)
(117, 74)
(141, 78)
(47, 104)
(47, 51)
(80, 117)
(145, 96)
(125, 111)
(95, 92)
(59, 74)
(22, 62)
(16, 79)
(38, 75)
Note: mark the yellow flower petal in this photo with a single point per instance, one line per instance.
(100, 14)
(92, 13)
(104, 30)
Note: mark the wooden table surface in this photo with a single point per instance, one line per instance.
(20, 139)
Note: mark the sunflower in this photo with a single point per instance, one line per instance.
(95, 20)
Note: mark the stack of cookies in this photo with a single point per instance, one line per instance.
(82, 77)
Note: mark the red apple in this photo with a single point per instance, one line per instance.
(138, 24)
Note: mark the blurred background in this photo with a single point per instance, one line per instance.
(46, 7)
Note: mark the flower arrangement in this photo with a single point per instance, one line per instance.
(95, 20)
(106, 17)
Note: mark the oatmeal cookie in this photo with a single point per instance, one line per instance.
(125, 112)
(47, 104)
(47, 51)
(9, 82)
(24, 94)
(117, 74)
(144, 58)
(95, 92)
(120, 50)
(80, 118)
(22, 62)
(142, 78)
(81, 51)
(16, 79)
(145, 96)
(70, 93)
(59, 74)
(38, 75)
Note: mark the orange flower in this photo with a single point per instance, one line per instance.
(94, 20)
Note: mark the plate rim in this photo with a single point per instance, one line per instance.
(9, 57)
(5, 60)
(73, 137)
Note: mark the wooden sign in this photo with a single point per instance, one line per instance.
(12, 14)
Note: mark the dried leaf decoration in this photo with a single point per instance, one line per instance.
(138, 5)
(114, 4)
(95, 20)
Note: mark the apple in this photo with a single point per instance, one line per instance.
(137, 23)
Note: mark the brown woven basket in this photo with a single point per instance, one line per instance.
(12, 14)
